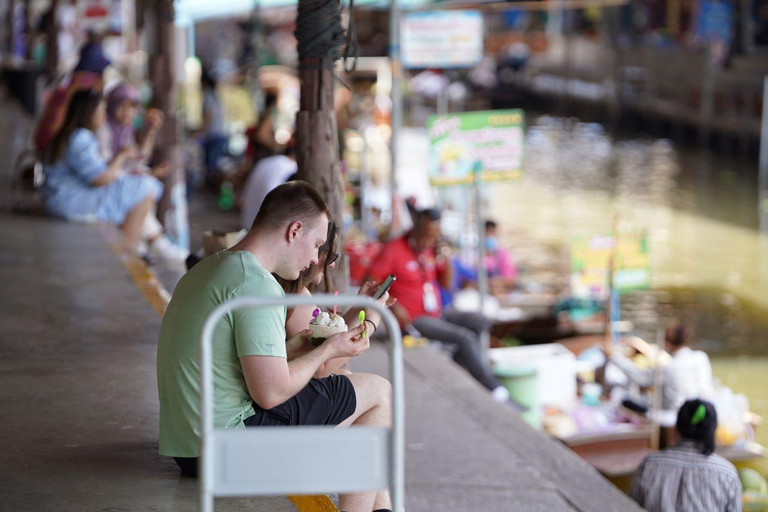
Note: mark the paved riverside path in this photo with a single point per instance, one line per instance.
(77, 384)
(80, 411)
(465, 452)
(77, 381)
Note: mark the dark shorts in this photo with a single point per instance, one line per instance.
(327, 401)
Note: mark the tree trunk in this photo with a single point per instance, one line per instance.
(317, 142)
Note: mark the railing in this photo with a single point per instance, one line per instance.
(301, 460)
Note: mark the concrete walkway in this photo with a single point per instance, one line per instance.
(77, 383)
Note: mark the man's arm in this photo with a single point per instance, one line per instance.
(273, 380)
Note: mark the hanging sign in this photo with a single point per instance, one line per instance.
(492, 138)
(591, 261)
(103, 15)
(442, 39)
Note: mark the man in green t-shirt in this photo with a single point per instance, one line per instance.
(259, 378)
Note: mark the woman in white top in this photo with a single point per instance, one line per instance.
(686, 375)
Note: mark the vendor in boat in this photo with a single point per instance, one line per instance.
(689, 476)
(685, 373)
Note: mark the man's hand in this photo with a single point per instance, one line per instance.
(298, 345)
(347, 344)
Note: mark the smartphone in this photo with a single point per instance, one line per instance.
(384, 286)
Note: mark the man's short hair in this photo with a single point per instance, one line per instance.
(428, 214)
(489, 224)
(291, 202)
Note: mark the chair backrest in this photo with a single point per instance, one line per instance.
(301, 460)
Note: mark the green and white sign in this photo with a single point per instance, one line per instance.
(591, 262)
(492, 138)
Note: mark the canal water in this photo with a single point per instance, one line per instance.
(709, 262)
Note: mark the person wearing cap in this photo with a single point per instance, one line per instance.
(422, 266)
(117, 135)
(87, 75)
(689, 476)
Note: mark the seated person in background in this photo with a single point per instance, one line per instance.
(81, 186)
(118, 133)
(123, 103)
(297, 319)
(416, 263)
(214, 134)
(684, 376)
(87, 76)
(269, 172)
(260, 379)
(261, 141)
(501, 270)
(689, 476)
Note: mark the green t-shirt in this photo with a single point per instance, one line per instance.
(245, 332)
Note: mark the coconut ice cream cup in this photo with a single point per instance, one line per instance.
(325, 325)
(323, 331)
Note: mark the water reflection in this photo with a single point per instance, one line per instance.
(700, 212)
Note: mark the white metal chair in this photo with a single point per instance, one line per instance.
(301, 460)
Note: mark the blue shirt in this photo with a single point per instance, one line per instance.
(70, 193)
(69, 189)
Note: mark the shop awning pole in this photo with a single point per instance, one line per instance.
(397, 98)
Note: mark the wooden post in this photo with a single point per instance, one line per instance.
(52, 43)
(10, 27)
(29, 31)
(161, 72)
(317, 139)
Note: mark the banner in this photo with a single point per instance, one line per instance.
(442, 39)
(591, 259)
(493, 138)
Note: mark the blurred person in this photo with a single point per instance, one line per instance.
(268, 174)
(261, 138)
(500, 269)
(87, 75)
(499, 266)
(261, 379)
(689, 476)
(687, 374)
(123, 104)
(214, 135)
(81, 186)
(421, 266)
(117, 133)
(298, 318)
(261, 142)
